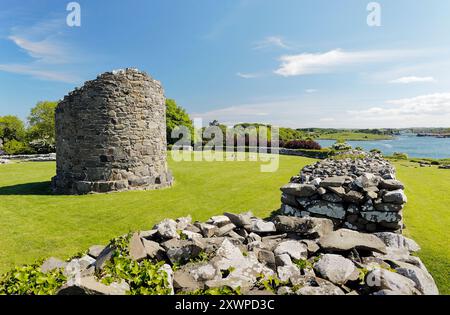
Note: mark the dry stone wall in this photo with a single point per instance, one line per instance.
(358, 194)
(111, 135)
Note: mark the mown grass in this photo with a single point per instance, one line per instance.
(427, 216)
(34, 224)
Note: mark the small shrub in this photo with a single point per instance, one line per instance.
(400, 156)
(341, 146)
(29, 280)
(13, 147)
(301, 144)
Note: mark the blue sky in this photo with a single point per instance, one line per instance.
(287, 62)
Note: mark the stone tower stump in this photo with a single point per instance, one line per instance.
(111, 135)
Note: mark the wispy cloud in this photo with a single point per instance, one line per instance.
(38, 73)
(248, 75)
(310, 91)
(271, 41)
(45, 50)
(42, 43)
(412, 79)
(314, 63)
(425, 110)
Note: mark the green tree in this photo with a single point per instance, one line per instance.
(42, 122)
(11, 128)
(176, 116)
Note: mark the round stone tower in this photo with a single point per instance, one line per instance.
(111, 135)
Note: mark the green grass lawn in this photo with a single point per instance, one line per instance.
(34, 224)
(427, 216)
(353, 136)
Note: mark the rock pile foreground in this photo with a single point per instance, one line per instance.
(247, 255)
(360, 194)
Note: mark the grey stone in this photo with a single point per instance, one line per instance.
(91, 286)
(167, 229)
(136, 248)
(299, 190)
(343, 240)
(261, 226)
(395, 196)
(311, 246)
(185, 281)
(332, 197)
(367, 180)
(340, 191)
(283, 260)
(295, 249)
(205, 273)
(226, 229)
(219, 220)
(313, 227)
(51, 264)
(183, 222)
(148, 234)
(322, 287)
(388, 207)
(398, 241)
(391, 184)
(331, 210)
(240, 220)
(95, 250)
(191, 235)
(285, 273)
(335, 181)
(336, 268)
(267, 257)
(153, 249)
(104, 256)
(208, 230)
(386, 280)
(181, 250)
(377, 216)
(423, 280)
(354, 196)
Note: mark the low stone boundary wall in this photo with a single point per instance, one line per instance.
(359, 194)
(31, 157)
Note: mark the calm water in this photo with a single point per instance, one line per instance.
(425, 147)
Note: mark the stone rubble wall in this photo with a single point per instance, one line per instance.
(358, 194)
(111, 135)
(306, 256)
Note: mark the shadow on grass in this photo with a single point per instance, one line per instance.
(39, 188)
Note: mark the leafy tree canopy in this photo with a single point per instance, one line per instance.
(42, 121)
(176, 116)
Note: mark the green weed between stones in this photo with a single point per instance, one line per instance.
(29, 280)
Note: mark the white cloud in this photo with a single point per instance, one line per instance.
(42, 43)
(314, 63)
(38, 73)
(309, 91)
(45, 50)
(412, 79)
(425, 110)
(271, 41)
(248, 75)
